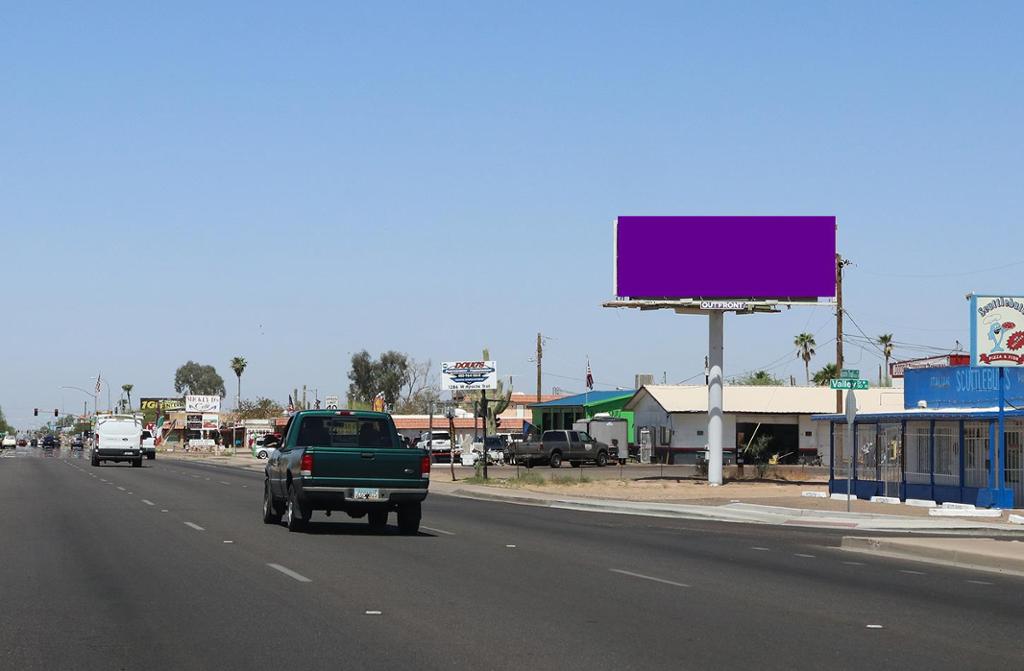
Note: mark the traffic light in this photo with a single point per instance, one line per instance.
(55, 414)
(35, 411)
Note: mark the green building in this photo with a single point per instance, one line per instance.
(562, 412)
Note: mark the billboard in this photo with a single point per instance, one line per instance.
(898, 368)
(168, 404)
(469, 375)
(752, 258)
(200, 404)
(997, 330)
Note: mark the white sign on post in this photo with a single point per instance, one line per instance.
(331, 403)
(469, 375)
(194, 403)
(997, 330)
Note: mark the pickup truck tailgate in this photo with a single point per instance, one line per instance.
(378, 467)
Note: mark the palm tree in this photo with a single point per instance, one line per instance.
(827, 372)
(805, 350)
(127, 388)
(238, 365)
(885, 340)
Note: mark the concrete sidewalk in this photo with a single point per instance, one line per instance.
(985, 554)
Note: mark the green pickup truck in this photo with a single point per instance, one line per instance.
(345, 460)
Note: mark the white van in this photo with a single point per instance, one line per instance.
(118, 438)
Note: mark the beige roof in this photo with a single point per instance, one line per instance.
(766, 400)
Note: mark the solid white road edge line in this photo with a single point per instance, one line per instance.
(194, 526)
(647, 577)
(437, 531)
(290, 573)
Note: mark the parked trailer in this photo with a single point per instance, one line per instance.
(612, 431)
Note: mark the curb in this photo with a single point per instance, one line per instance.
(975, 559)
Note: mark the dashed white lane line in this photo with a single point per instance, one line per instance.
(148, 502)
(760, 549)
(980, 582)
(873, 626)
(805, 556)
(164, 510)
(121, 488)
(854, 563)
(194, 526)
(438, 531)
(373, 612)
(223, 483)
(290, 573)
(909, 572)
(228, 541)
(648, 577)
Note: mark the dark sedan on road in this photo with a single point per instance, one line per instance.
(50, 443)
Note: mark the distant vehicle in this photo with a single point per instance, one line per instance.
(34, 442)
(118, 438)
(22, 442)
(345, 460)
(439, 443)
(554, 447)
(10, 441)
(77, 444)
(50, 443)
(148, 445)
(265, 444)
(495, 447)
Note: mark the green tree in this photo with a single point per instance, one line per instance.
(827, 372)
(761, 378)
(385, 375)
(238, 365)
(261, 408)
(805, 350)
(127, 389)
(195, 378)
(885, 340)
(5, 428)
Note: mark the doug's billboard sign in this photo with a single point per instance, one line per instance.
(997, 330)
(469, 375)
(787, 259)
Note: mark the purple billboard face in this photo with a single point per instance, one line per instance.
(780, 258)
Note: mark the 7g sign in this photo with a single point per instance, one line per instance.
(469, 375)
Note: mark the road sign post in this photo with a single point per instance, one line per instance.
(851, 417)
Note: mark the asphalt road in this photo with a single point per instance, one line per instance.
(171, 567)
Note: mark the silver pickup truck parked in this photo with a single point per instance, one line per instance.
(554, 447)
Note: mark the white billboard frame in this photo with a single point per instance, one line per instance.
(469, 375)
(197, 403)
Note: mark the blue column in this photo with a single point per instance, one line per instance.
(999, 473)
(853, 457)
(963, 460)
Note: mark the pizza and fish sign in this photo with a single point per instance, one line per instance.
(997, 330)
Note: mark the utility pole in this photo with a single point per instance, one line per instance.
(840, 264)
(483, 413)
(540, 355)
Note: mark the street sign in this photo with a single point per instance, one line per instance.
(849, 374)
(848, 384)
(331, 403)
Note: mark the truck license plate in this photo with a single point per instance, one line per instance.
(366, 494)
(127, 451)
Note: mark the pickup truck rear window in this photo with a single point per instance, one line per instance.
(344, 432)
(554, 437)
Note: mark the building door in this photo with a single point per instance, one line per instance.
(1014, 467)
(890, 456)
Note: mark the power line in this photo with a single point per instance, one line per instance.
(927, 276)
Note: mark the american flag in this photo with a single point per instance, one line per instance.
(590, 376)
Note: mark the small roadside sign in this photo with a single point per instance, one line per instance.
(849, 374)
(331, 403)
(848, 384)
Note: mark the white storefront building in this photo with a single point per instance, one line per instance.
(674, 419)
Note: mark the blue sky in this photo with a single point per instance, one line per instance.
(440, 177)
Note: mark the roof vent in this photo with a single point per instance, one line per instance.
(922, 404)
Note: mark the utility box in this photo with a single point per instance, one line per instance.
(612, 431)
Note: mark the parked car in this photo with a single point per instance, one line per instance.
(554, 447)
(265, 445)
(439, 444)
(345, 460)
(77, 444)
(9, 441)
(148, 445)
(495, 447)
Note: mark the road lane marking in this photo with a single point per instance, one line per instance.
(164, 510)
(760, 549)
(228, 541)
(980, 582)
(800, 554)
(510, 546)
(290, 573)
(147, 502)
(909, 572)
(647, 577)
(438, 531)
(223, 483)
(194, 526)
(854, 563)
(121, 488)
(373, 612)
(874, 626)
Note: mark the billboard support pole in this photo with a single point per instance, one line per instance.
(716, 328)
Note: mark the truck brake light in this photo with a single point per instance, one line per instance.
(306, 466)
(425, 466)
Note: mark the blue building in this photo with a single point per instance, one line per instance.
(943, 446)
